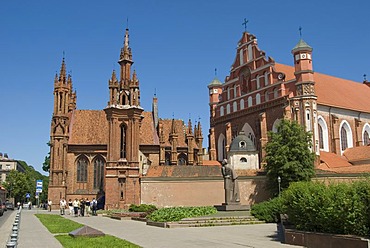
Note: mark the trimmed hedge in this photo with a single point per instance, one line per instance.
(340, 208)
(268, 211)
(142, 208)
(178, 213)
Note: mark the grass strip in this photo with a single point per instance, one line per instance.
(58, 224)
(92, 242)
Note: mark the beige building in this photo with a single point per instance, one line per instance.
(6, 165)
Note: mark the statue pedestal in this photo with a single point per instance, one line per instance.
(233, 206)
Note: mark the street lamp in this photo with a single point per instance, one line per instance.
(279, 181)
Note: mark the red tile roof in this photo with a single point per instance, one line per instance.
(181, 171)
(331, 162)
(148, 135)
(358, 153)
(336, 92)
(88, 127)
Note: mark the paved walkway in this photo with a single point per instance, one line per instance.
(34, 234)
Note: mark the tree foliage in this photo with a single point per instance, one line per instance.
(288, 155)
(46, 164)
(18, 184)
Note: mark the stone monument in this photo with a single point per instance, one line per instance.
(231, 188)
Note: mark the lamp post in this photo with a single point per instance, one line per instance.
(279, 181)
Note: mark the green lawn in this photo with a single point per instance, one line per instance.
(98, 242)
(62, 226)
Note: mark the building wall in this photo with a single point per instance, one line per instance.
(199, 192)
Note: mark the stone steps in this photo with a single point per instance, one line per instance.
(209, 221)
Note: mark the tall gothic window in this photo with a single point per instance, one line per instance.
(321, 137)
(366, 138)
(343, 138)
(98, 173)
(182, 159)
(167, 158)
(123, 142)
(82, 163)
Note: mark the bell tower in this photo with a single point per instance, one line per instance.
(124, 115)
(304, 103)
(64, 104)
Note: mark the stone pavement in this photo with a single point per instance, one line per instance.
(34, 234)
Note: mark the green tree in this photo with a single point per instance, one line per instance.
(288, 156)
(17, 185)
(46, 164)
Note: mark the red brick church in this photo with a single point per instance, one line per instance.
(260, 92)
(96, 153)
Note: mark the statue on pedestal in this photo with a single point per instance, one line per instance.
(231, 186)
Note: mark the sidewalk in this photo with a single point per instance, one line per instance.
(34, 234)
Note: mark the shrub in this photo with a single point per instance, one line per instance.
(268, 211)
(337, 208)
(142, 208)
(178, 213)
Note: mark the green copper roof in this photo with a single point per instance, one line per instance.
(302, 45)
(215, 82)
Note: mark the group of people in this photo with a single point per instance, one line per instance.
(78, 207)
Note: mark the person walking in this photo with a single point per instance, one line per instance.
(62, 206)
(94, 206)
(70, 206)
(49, 204)
(87, 207)
(82, 207)
(76, 205)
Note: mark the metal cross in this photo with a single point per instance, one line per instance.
(245, 24)
(215, 71)
(300, 31)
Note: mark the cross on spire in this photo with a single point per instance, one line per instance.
(300, 32)
(245, 24)
(365, 77)
(215, 72)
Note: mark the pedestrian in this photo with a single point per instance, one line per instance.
(29, 205)
(62, 206)
(82, 207)
(76, 205)
(70, 206)
(49, 204)
(94, 206)
(87, 207)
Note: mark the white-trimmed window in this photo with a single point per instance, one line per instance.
(235, 107)
(345, 134)
(242, 104)
(241, 57)
(250, 52)
(366, 135)
(250, 101)
(222, 111)
(228, 109)
(258, 98)
(266, 78)
(323, 134)
(266, 96)
(276, 92)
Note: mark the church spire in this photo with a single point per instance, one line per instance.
(63, 73)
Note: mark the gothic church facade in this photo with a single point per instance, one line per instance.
(105, 153)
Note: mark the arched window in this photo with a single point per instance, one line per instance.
(98, 173)
(365, 134)
(228, 93)
(222, 111)
(250, 52)
(234, 91)
(182, 159)
(266, 96)
(167, 160)
(221, 147)
(321, 138)
(345, 132)
(366, 138)
(258, 82)
(308, 120)
(82, 163)
(235, 107)
(343, 138)
(243, 160)
(123, 142)
(241, 57)
(242, 104)
(250, 101)
(266, 78)
(258, 98)
(323, 134)
(276, 93)
(228, 109)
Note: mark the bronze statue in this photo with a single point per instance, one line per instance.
(230, 183)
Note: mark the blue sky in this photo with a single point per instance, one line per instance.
(176, 46)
